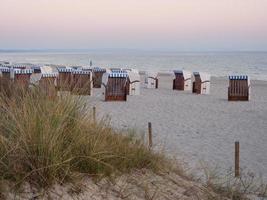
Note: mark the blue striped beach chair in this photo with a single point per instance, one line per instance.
(5, 78)
(64, 78)
(81, 82)
(115, 83)
(22, 77)
(47, 84)
(239, 88)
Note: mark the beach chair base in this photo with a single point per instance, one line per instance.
(238, 98)
(116, 98)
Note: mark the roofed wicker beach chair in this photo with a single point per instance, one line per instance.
(48, 81)
(5, 79)
(201, 83)
(115, 85)
(151, 80)
(97, 76)
(239, 88)
(47, 84)
(133, 83)
(182, 80)
(64, 78)
(81, 82)
(22, 77)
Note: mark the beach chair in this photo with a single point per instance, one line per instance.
(151, 80)
(114, 85)
(239, 88)
(81, 82)
(47, 80)
(64, 78)
(97, 76)
(5, 79)
(22, 77)
(1, 75)
(133, 82)
(47, 84)
(201, 83)
(182, 80)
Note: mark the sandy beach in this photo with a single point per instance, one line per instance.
(198, 127)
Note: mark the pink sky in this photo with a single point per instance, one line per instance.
(148, 24)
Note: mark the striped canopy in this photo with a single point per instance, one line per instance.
(118, 75)
(240, 77)
(4, 69)
(49, 75)
(98, 69)
(19, 66)
(23, 71)
(64, 69)
(80, 72)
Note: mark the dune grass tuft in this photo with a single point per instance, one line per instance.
(45, 141)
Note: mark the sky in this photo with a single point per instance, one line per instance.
(183, 25)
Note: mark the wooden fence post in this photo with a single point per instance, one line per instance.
(237, 172)
(149, 134)
(94, 114)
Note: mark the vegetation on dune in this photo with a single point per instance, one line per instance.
(45, 141)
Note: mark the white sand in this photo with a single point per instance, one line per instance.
(135, 186)
(198, 127)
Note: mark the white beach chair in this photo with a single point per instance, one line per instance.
(134, 82)
(182, 80)
(201, 83)
(151, 80)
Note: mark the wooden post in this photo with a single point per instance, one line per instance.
(149, 134)
(94, 114)
(237, 173)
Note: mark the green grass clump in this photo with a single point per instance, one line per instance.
(45, 141)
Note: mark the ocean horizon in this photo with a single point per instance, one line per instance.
(216, 63)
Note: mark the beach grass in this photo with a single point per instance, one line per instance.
(46, 140)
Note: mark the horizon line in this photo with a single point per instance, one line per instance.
(122, 49)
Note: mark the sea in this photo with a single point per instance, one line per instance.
(218, 64)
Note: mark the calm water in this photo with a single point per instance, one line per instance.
(215, 63)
